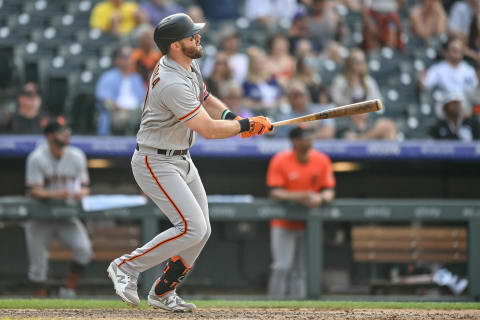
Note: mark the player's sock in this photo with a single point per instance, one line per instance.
(173, 274)
(76, 272)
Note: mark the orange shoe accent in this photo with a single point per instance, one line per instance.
(176, 258)
(185, 229)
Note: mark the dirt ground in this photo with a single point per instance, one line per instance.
(238, 314)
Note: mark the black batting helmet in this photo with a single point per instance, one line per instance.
(173, 28)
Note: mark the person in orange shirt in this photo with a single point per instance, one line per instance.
(305, 176)
(145, 57)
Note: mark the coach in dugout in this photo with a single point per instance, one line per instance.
(305, 176)
(56, 171)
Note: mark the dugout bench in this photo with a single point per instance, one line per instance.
(342, 210)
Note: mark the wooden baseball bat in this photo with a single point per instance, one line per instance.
(347, 110)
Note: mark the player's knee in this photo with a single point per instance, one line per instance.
(208, 232)
(281, 266)
(82, 254)
(198, 230)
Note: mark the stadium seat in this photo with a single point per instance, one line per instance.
(395, 105)
(328, 70)
(13, 37)
(7, 67)
(44, 8)
(96, 41)
(55, 95)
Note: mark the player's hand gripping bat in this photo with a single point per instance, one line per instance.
(347, 110)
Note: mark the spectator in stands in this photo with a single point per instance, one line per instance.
(268, 13)
(306, 67)
(355, 85)
(382, 25)
(472, 95)
(119, 93)
(361, 127)
(231, 94)
(428, 20)
(262, 91)
(280, 61)
(300, 105)
(299, 31)
(452, 74)
(454, 123)
(472, 48)
(221, 75)
(304, 176)
(220, 10)
(116, 16)
(156, 10)
(230, 44)
(145, 57)
(324, 24)
(28, 118)
(462, 15)
(196, 13)
(57, 172)
(304, 48)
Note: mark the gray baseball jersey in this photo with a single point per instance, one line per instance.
(67, 173)
(173, 97)
(171, 181)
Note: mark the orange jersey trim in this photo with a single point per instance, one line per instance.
(288, 224)
(185, 229)
(146, 97)
(190, 113)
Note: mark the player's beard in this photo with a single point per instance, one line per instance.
(192, 52)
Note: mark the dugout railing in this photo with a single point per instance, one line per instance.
(342, 210)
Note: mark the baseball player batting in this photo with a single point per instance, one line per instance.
(177, 107)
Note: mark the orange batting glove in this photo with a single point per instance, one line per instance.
(257, 126)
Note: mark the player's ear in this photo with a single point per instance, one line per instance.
(175, 45)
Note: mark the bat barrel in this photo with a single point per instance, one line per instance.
(347, 110)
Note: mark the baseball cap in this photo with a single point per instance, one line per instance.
(300, 132)
(448, 97)
(30, 89)
(54, 126)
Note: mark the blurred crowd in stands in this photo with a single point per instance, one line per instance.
(287, 58)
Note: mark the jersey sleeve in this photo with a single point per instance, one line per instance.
(275, 174)
(431, 78)
(327, 177)
(34, 176)
(181, 100)
(84, 177)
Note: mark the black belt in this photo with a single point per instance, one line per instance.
(169, 152)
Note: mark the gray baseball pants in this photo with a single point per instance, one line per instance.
(288, 277)
(38, 234)
(173, 183)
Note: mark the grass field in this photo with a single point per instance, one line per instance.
(239, 310)
(332, 305)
